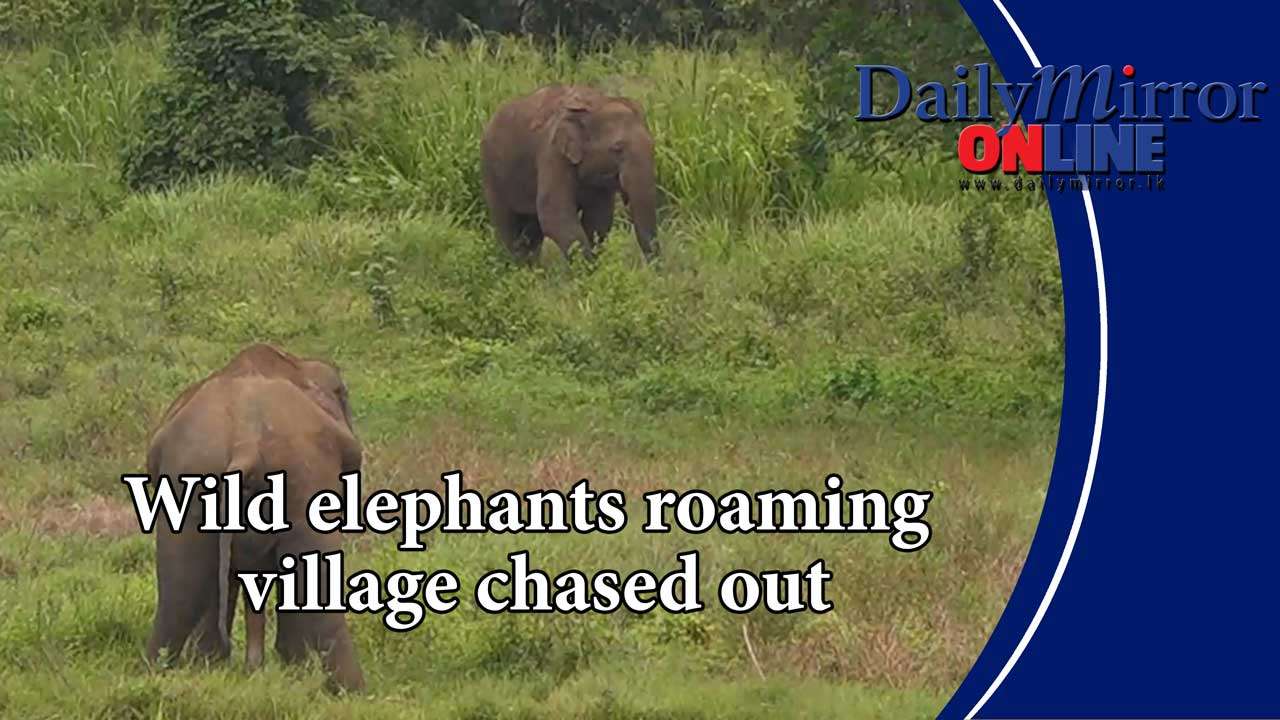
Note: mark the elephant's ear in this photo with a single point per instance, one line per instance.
(569, 133)
(334, 406)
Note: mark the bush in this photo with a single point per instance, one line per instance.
(25, 311)
(243, 76)
(184, 139)
(856, 382)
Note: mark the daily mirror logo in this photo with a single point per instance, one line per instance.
(1109, 122)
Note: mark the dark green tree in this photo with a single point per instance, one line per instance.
(928, 38)
(241, 77)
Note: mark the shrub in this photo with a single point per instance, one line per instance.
(25, 311)
(630, 316)
(378, 276)
(676, 21)
(857, 382)
(243, 76)
(725, 132)
(184, 139)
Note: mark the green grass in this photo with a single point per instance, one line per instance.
(879, 328)
(27, 23)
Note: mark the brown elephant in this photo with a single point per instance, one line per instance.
(554, 160)
(266, 411)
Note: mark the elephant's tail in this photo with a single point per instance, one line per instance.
(243, 461)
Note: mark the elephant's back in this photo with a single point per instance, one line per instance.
(227, 412)
(508, 150)
(194, 438)
(296, 436)
(525, 112)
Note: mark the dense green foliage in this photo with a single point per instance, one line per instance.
(869, 320)
(241, 78)
(929, 49)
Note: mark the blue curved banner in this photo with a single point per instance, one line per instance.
(1150, 588)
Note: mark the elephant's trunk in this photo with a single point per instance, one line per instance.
(640, 191)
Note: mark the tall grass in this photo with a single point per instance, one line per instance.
(77, 104)
(409, 137)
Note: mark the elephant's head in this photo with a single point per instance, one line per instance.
(325, 386)
(608, 142)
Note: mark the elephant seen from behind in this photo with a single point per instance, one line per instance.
(266, 411)
(553, 163)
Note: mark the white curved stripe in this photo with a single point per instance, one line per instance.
(1097, 420)
(1089, 470)
(1031, 54)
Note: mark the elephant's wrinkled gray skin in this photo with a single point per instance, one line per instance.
(265, 411)
(554, 160)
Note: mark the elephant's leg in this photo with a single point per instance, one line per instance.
(209, 643)
(325, 633)
(187, 580)
(506, 225)
(299, 634)
(255, 630)
(532, 236)
(597, 216)
(558, 216)
(259, 556)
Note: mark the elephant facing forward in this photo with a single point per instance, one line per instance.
(553, 162)
(266, 411)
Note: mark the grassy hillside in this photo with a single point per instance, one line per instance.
(877, 327)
